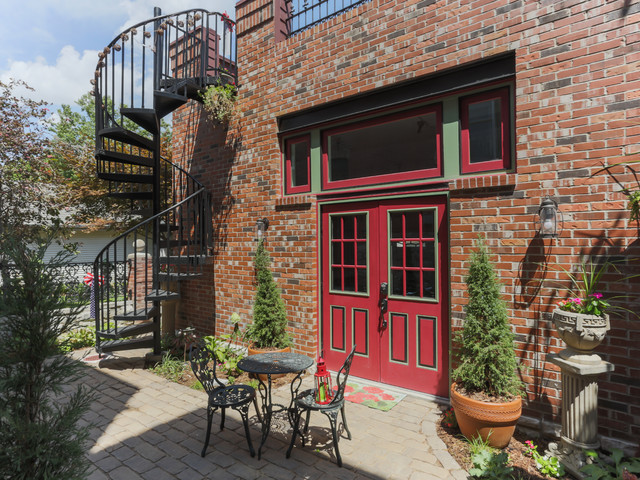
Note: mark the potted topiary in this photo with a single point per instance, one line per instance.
(268, 331)
(486, 390)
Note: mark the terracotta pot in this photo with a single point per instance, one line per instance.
(494, 422)
(255, 351)
(581, 332)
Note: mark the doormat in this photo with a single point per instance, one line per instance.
(374, 397)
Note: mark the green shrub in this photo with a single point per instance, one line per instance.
(40, 436)
(487, 359)
(612, 468)
(170, 368)
(487, 462)
(269, 328)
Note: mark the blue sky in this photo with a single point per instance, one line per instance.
(53, 45)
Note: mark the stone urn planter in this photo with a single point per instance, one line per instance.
(495, 422)
(582, 333)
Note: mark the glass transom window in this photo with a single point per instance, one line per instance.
(397, 148)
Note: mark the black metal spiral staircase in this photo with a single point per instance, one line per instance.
(144, 74)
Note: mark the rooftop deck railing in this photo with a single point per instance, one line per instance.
(304, 14)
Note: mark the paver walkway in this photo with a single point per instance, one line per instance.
(147, 427)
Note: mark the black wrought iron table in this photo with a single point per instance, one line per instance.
(273, 363)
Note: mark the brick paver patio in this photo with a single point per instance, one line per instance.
(147, 427)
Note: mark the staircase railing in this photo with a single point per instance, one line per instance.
(194, 45)
(128, 273)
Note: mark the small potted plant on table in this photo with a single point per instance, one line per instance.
(486, 391)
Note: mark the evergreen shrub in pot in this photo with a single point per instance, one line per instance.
(269, 328)
(486, 390)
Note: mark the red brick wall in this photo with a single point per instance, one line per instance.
(577, 105)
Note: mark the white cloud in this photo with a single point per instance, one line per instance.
(63, 82)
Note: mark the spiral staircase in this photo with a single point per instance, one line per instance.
(143, 75)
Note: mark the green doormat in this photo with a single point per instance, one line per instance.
(373, 397)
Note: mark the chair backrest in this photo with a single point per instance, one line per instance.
(341, 378)
(203, 364)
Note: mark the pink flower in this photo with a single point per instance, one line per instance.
(576, 300)
(596, 295)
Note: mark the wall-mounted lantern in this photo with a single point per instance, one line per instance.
(548, 218)
(261, 228)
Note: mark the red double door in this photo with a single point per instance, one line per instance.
(385, 289)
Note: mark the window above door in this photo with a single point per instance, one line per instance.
(468, 132)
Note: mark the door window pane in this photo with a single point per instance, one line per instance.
(396, 225)
(348, 255)
(412, 221)
(412, 253)
(397, 283)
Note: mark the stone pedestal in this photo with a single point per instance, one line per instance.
(579, 411)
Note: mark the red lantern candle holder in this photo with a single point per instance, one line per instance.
(323, 386)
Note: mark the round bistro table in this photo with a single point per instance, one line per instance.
(273, 363)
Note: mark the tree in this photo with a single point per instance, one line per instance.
(73, 145)
(28, 186)
(39, 435)
(269, 329)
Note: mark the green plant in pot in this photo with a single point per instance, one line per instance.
(486, 393)
(581, 319)
(269, 328)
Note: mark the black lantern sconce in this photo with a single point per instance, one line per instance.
(261, 228)
(550, 218)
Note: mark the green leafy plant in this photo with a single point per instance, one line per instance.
(170, 368)
(78, 338)
(616, 467)
(269, 328)
(220, 102)
(226, 348)
(583, 293)
(487, 360)
(631, 192)
(487, 462)
(546, 464)
(41, 436)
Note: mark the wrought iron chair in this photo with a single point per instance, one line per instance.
(306, 402)
(221, 396)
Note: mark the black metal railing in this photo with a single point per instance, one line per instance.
(304, 14)
(189, 49)
(135, 265)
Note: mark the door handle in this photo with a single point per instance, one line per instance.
(383, 306)
(384, 291)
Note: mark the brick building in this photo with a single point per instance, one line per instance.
(381, 141)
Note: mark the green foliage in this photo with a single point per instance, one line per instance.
(40, 436)
(28, 184)
(613, 468)
(547, 464)
(487, 462)
(487, 360)
(220, 102)
(269, 328)
(226, 348)
(632, 192)
(170, 368)
(583, 293)
(78, 338)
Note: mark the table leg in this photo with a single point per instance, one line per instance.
(267, 409)
(295, 386)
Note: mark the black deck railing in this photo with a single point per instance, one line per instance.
(305, 14)
(194, 46)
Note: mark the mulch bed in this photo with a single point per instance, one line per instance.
(524, 466)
